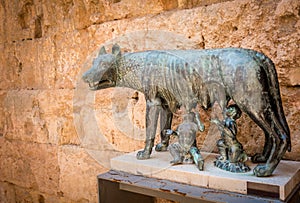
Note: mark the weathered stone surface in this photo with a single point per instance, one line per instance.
(31, 116)
(78, 173)
(34, 19)
(45, 47)
(293, 76)
(292, 111)
(195, 3)
(29, 165)
(11, 193)
(7, 193)
(28, 65)
(123, 122)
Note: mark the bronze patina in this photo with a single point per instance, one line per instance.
(171, 79)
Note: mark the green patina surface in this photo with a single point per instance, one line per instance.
(171, 79)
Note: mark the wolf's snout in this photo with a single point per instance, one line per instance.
(85, 78)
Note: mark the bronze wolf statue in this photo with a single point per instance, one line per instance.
(170, 79)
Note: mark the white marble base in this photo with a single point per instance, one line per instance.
(282, 182)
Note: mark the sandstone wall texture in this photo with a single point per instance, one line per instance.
(56, 135)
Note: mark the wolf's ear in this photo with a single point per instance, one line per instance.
(102, 51)
(116, 50)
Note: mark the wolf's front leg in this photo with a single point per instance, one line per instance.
(152, 112)
(165, 123)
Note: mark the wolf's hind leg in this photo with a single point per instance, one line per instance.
(277, 146)
(262, 157)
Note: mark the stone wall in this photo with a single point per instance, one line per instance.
(56, 136)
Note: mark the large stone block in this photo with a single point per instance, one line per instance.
(24, 118)
(78, 173)
(39, 116)
(29, 165)
(28, 65)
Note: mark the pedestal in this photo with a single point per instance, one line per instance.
(281, 185)
(117, 186)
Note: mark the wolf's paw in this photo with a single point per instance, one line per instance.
(143, 155)
(262, 171)
(160, 147)
(200, 165)
(239, 167)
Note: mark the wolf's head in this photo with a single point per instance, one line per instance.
(103, 72)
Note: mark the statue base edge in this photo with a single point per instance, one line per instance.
(280, 185)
